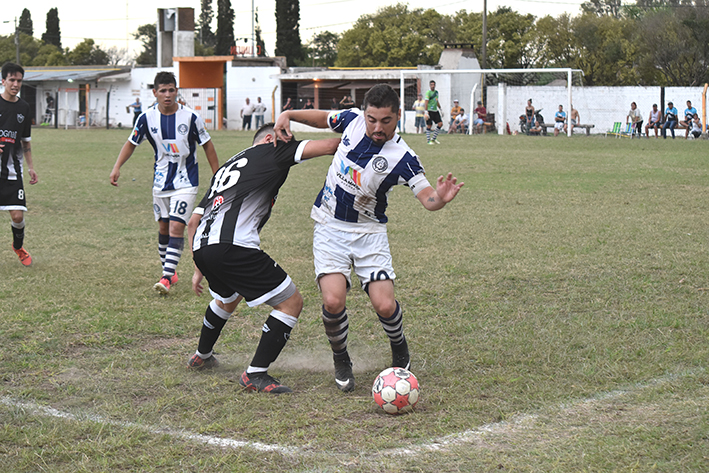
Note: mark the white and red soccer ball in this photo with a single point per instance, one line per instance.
(396, 390)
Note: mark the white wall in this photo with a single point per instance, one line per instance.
(251, 82)
(600, 106)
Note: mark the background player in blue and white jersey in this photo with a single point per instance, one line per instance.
(15, 136)
(224, 231)
(350, 220)
(174, 131)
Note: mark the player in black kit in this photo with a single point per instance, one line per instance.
(225, 244)
(15, 131)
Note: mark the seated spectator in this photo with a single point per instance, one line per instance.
(308, 105)
(696, 127)
(636, 118)
(670, 120)
(460, 123)
(288, 105)
(653, 121)
(455, 111)
(481, 116)
(689, 113)
(537, 128)
(559, 120)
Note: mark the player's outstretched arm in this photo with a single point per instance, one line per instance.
(446, 190)
(315, 148)
(314, 118)
(212, 158)
(123, 156)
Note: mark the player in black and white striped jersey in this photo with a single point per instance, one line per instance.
(224, 231)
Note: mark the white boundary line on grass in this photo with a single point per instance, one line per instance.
(207, 439)
(415, 449)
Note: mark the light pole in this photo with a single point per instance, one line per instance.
(17, 41)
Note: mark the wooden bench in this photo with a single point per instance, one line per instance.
(550, 126)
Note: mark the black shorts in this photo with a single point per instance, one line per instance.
(433, 117)
(234, 270)
(12, 195)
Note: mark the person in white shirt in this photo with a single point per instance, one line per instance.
(636, 118)
(460, 123)
(246, 112)
(259, 111)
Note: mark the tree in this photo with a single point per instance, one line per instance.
(554, 42)
(260, 44)
(206, 15)
(49, 55)
(394, 36)
(87, 53)
(225, 27)
(603, 7)
(675, 43)
(148, 35)
(25, 25)
(52, 34)
(322, 49)
(118, 56)
(288, 32)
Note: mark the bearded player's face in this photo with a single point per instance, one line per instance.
(380, 123)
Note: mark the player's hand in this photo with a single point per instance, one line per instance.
(282, 128)
(33, 177)
(197, 282)
(447, 188)
(115, 174)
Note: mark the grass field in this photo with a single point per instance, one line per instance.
(557, 314)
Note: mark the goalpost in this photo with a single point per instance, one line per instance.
(504, 92)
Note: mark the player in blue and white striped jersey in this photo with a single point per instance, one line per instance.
(350, 229)
(174, 131)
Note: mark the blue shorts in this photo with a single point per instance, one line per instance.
(420, 122)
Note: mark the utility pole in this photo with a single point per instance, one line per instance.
(17, 41)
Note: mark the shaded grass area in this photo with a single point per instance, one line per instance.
(564, 269)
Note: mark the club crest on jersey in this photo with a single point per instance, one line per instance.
(20, 118)
(380, 164)
(354, 174)
(182, 129)
(218, 201)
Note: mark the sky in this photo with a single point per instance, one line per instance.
(114, 26)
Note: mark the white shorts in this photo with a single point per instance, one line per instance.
(335, 251)
(559, 125)
(178, 206)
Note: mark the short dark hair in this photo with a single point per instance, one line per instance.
(432, 82)
(12, 68)
(380, 96)
(164, 77)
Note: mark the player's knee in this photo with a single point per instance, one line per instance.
(333, 303)
(385, 308)
(292, 306)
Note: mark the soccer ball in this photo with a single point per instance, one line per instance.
(396, 390)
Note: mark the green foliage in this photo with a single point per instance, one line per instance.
(225, 27)
(25, 24)
(394, 36)
(205, 35)
(607, 49)
(52, 34)
(148, 35)
(322, 49)
(288, 32)
(510, 39)
(87, 53)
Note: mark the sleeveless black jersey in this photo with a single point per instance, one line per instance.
(15, 127)
(242, 193)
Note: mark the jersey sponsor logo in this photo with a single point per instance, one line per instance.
(11, 134)
(182, 129)
(20, 118)
(335, 118)
(380, 164)
(218, 201)
(354, 174)
(170, 148)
